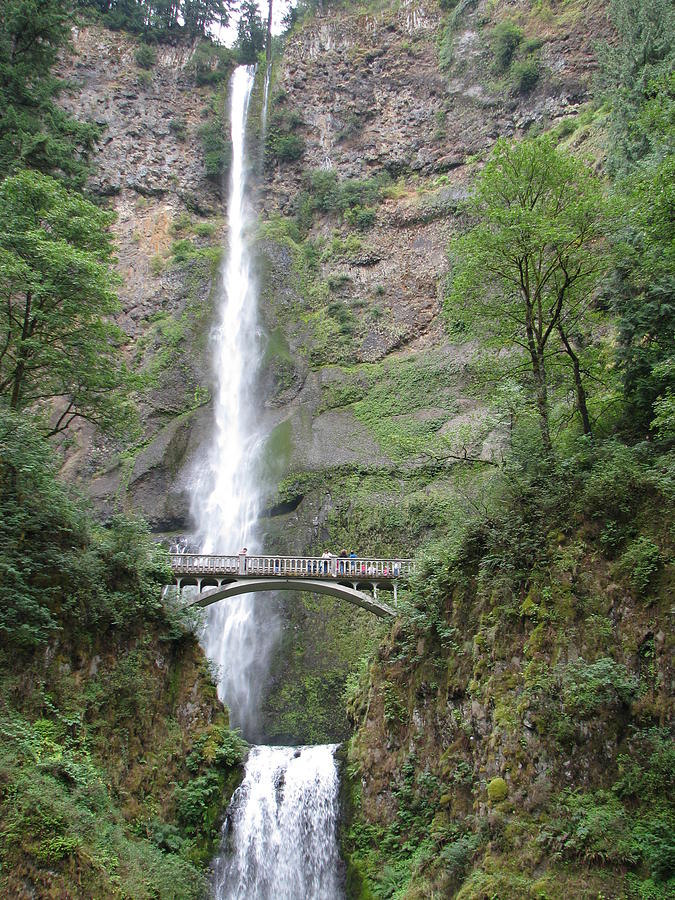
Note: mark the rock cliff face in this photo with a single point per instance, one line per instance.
(401, 127)
(151, 171)
(407, 98)
(378, 121)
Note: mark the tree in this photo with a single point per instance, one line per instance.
(644, 291)
(58, 351)
(251, 32)
(643, 56)
(636, 77)
(162, 19)
(201, 15)
(34, 131)
(523, 275)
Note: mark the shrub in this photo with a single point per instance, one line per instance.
(145, 56)
(361, 217)
(285, 147)
(178, 127)
(525, 74)
(640, 563)
(211, 63)
(588, 688)
(183, 250)
(195, 802)
(497, 790)
(217, 151)
(282, 144)
(506, 37)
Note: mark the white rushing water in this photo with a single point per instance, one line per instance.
(280, 840)
(226, 498)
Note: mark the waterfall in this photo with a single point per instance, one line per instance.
(279, 839)
(226, 498)
(281, 835)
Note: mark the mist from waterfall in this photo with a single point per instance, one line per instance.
(240, 632)
(280, 840)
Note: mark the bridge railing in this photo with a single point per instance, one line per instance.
(361, 568)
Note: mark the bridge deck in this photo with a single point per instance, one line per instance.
(199, 566)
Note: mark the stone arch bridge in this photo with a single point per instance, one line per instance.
(358, 581)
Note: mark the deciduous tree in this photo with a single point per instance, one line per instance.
(523, 275)
(58, 348)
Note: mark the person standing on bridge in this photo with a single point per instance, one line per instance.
(343, 557)
(326, 556)
(242, 559)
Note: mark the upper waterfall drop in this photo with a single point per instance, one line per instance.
(226, 499)
(226, 495)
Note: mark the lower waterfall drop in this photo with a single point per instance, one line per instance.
(280, 838)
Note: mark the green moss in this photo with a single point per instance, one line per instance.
(497, 790)
(278, 449)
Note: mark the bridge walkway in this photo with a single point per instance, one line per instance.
(349, 578)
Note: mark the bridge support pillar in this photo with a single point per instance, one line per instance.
(374, 589)
(395, 595)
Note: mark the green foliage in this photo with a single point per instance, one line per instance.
(251, 33)
(588, 688)
(163, 20)
(285, 147)
(634, 72)
(178, 126)
(523, 276)
(361, 217)
(525, 74)
(56, 277)
(351, 198)
(217, 150)
(506, 37)
(497, 790)
(644, 296)
(597, 828)
(211, 63)
(145, 56)
(56, 566)
(447, 35)
(58, 816)
(282, 144)
(641, 561)
(35, 132)
(197, 803)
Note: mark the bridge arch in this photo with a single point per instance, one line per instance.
(257, 585)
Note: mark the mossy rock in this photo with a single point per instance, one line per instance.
(497, 790)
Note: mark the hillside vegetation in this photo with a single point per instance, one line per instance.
(116, 759)
(469, 355)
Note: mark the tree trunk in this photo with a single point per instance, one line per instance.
(20, 367)
(578, 385)
(539, 370)
(542, 406)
